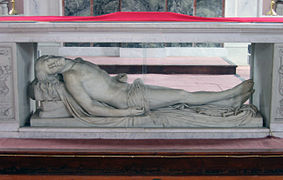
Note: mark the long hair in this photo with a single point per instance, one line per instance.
(46, 84)
(40, 69)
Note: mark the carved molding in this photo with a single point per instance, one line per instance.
(142, 32)
(6, 84)
(5, 74)
(6, 112)
(4, 52)
(280, 71)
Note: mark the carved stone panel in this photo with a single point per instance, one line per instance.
(280, 85)
(6, 85)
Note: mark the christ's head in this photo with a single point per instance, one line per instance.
(49, 65)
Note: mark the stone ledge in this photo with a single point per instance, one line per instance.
(142, 32)
(142, 133)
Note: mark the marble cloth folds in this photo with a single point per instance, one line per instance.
(180, 115)
(137, 95)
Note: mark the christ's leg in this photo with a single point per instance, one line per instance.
(235, 101)
(161, 97)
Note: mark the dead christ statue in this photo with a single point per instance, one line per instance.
(89, 92)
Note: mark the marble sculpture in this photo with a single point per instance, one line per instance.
(81, 90)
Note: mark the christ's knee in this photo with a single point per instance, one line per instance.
(182, 95)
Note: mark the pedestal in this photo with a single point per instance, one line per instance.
(267, 72)
(16, 72)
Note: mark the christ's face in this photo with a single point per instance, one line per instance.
(54, 65)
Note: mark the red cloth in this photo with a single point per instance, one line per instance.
(136, 16)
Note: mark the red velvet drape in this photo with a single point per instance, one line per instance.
(138, 17)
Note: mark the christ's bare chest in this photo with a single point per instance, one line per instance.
(98, 86)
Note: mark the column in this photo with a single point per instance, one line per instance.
(43, 8)
(3, 7)
(267, 72)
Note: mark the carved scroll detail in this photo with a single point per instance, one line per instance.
(280, 71)
(6, 112)
(5, 72)
(4, 52)
(6, 85)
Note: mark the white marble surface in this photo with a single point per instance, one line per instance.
(243, 8)
(3, 7)
(247, 8)
(142, 32)
(70, 122)
(276, 114)
(262, 75)
(42, 8)
(94, 97)
(153, 32)
(142, 133)
(15, 105)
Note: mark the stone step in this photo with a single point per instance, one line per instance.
(170, 69)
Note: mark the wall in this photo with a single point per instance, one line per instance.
(242, 8)
(42, 7)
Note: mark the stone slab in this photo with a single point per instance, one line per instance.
(142, 133)
(142, 32)
(35, 121)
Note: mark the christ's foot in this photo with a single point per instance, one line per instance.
(244, 87)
